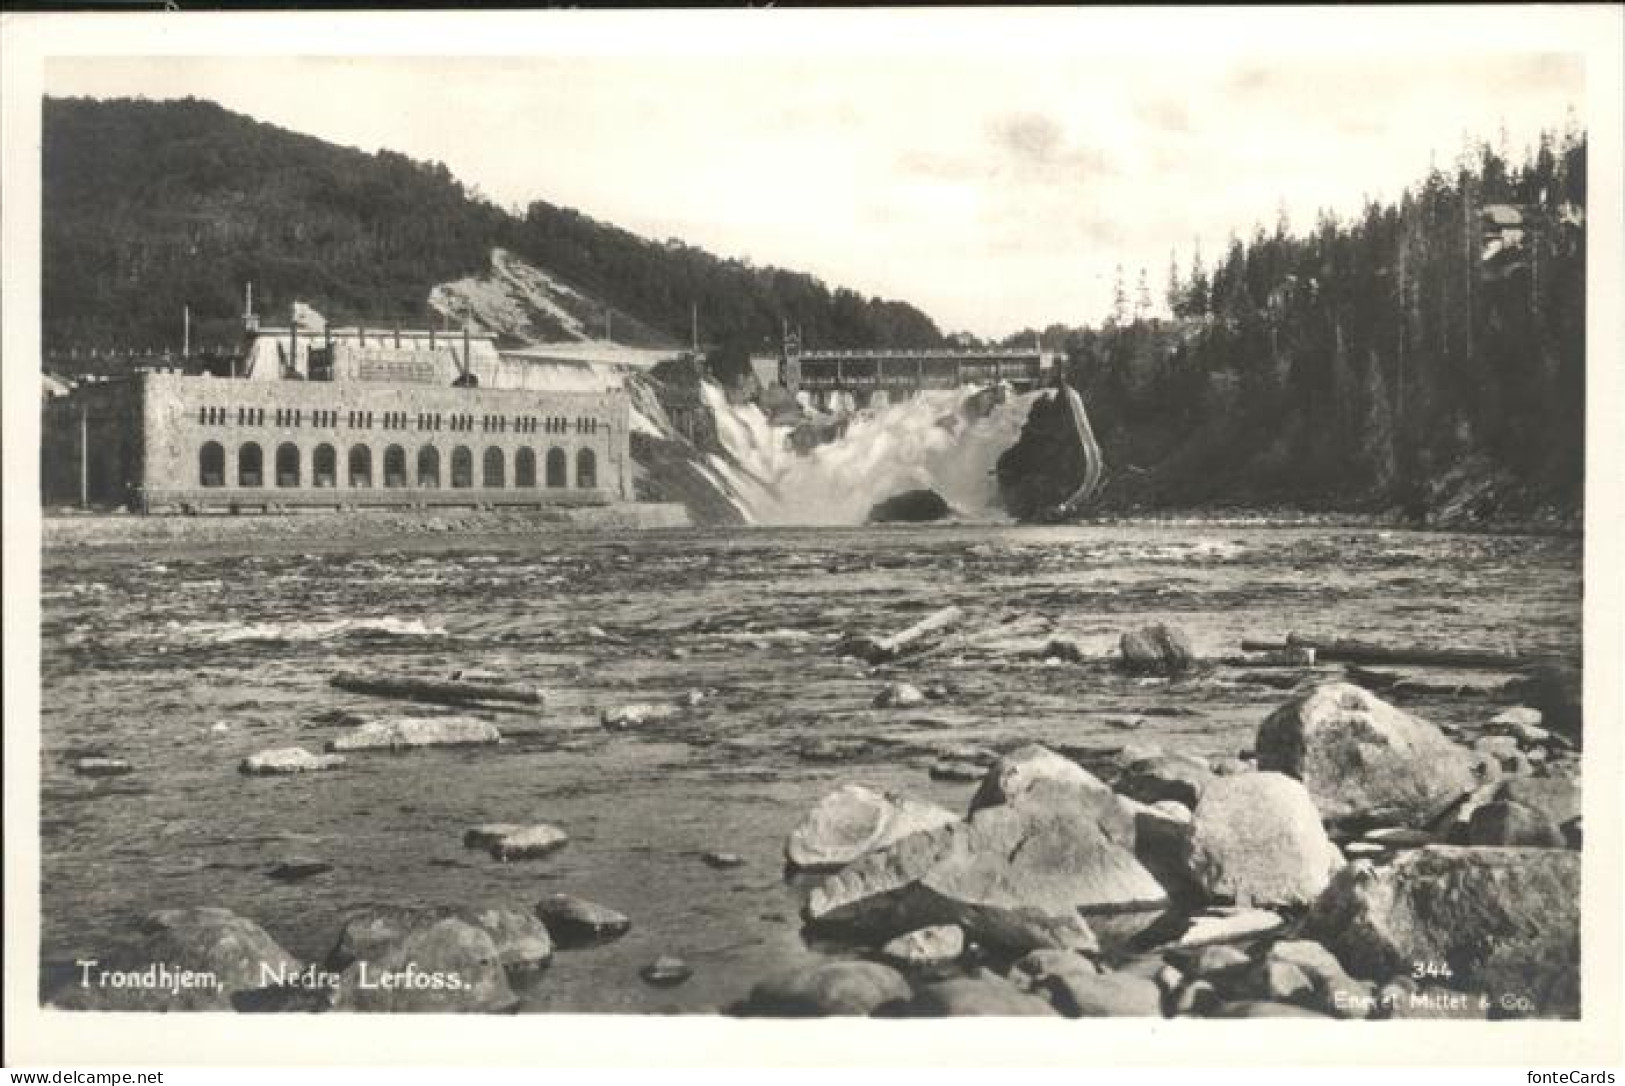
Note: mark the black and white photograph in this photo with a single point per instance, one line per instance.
(747, 517)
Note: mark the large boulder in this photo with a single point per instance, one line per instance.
(523, 944)
(836, 988)
(1015, 877)
(1157, 649)
(1016, 773)
(440, 965)
(855, 820)
(1178, 777)
(1557, 798)
(1055, 457)
(1362, 758)
(910, 507)
(1256, 839)
(1502, 920)
(193, 959)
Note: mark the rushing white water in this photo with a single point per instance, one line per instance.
(936, 441)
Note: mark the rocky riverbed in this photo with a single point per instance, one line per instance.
(751, 790)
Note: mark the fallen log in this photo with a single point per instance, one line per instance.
(436, 691)
(1364, 652)
(875, 650)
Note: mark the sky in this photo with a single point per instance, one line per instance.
(996, 189)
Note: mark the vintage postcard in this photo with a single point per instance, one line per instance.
(698, 526)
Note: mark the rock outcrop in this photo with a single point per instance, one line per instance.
(1501, 920)
(910, 507)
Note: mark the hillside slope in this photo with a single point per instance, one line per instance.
(151, 206)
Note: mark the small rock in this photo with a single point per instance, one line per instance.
(484, 836)
(529, 843)
(1360, 757)
(723, 860)
(1256, 839)
(666, 971)
(1035, 970)
(1250, 1008)
(835, 988)
(298, 868)
(219, 727)
(1398, 837)
(1156, 650)
(935, 945)
(1283, 982)
(1509, 920)
(1106, 995)
(101, 767)
(899, 696)
(1229, 926)
(1228, 766)
(693, 699)
(1066, 649)
(1198, 998)
(1174, 777)
(637, 715)
(443, 946)
(410, 733)
(288, 760)
(983, 993)
(1217, 960)
(1521, 716)
(1500, 747)
(855, 820)
(573, 921)
(1508, 823)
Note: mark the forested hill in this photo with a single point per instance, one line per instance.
(1425, 356)
(149, 206)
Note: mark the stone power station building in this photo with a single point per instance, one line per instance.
(339, 419)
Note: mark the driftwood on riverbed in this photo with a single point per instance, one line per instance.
(875, 650)
(1365, 652)
(437, 691)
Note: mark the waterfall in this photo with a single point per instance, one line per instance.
(947, 441)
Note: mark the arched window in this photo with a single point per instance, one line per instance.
(360, 466)
(462, 468)
(494, 477)
(587, 470)
(324, 467)
(558, 468)
(524, 468)
(211, 464)
(287, 464)
(394, 466)
(250, 465)
(429, 467)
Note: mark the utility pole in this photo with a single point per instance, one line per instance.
(84, 457)
(186, 331)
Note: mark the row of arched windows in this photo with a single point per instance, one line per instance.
(288, 467)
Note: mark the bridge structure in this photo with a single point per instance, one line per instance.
(865, 377)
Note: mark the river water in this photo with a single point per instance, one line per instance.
(184, 665)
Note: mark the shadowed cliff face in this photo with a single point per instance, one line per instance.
(1055, 466)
